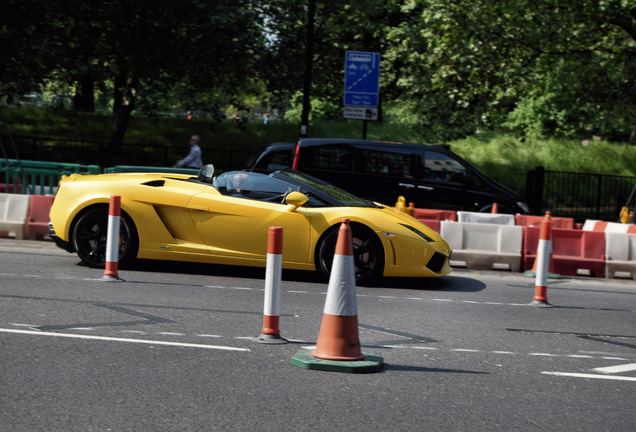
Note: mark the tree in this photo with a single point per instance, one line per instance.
(468, 64)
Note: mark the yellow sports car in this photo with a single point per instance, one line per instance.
(226, 219)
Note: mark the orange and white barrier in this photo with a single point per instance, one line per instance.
(543, 255)
(112, 239)
(270, 333)
(338, 338)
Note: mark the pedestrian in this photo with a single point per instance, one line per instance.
(265, 118)
(193, 159)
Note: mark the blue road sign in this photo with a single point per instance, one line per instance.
(362, 79)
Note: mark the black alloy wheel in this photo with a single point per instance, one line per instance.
(368, 254)
(90, 236)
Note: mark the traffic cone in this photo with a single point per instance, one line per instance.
(338, 346)
(495, 208)
(338, 338)
(551, 273)
(270, 333)
(543, 251)
(111, 273)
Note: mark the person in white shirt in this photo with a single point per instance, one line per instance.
(193, 159)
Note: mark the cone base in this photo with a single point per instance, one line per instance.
(304, 359)
(541, 304)
(269, 339)
(109, 278)
(531, 273)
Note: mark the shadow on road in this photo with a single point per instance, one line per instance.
(454, 283)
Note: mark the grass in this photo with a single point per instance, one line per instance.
(501, 156)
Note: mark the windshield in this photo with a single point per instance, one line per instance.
(274, 186)
(342, 196)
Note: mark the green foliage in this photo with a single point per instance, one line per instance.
(507, 159)
(321, 109)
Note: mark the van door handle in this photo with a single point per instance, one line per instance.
(406, 185)
(426, 188)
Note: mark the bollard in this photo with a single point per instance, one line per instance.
(112, 240)
(270, 333)
(544, 250)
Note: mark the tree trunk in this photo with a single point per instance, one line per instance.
(118, 131)
(84, 99)
(123, 107)
(632, 137)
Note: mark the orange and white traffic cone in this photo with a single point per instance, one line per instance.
(551, 273)
(543, 254)
(112, 240)
(338, 338)
(338, 346)
(270, 333)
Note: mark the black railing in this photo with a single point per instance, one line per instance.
(576, 195)
(86, 152)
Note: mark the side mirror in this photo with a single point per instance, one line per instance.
(295, 200)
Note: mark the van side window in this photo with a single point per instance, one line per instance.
(337, 157)
(385, 162)
(446, 168)
(275, 160)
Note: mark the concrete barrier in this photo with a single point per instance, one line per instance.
(486, 218)
(432, 217)
(557, 222)
(38, 220)
(613, 227)
(574, 252)
(484, 246)
(620, 255)
(13, 214)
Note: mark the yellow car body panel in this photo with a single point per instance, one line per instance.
(183, 220)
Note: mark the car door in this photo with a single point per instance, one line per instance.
(238, 227)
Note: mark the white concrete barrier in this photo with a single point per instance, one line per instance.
(14, 210)
(484, 246)
(486, 218)
(620, 255)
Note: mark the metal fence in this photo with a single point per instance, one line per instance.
(88, 152)
(576, 195)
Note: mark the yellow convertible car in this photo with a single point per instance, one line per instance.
(226, 219)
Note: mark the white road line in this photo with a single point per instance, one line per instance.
(582, 375)
(112, 339)
(616, 369)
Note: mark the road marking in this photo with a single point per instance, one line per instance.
(582, 375)
(113, 339)
(617, 369)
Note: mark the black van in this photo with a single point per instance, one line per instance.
(428, 176)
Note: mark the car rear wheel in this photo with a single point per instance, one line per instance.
(368, 254)
(90, 236)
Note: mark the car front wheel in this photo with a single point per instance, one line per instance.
(90, 237)
(368, 254)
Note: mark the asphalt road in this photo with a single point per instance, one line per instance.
(170, 349)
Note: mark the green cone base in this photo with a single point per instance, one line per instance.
(370, 363)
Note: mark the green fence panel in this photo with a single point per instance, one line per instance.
(37, 177)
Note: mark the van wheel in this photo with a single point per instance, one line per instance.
(90, 234)
(368, 254)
